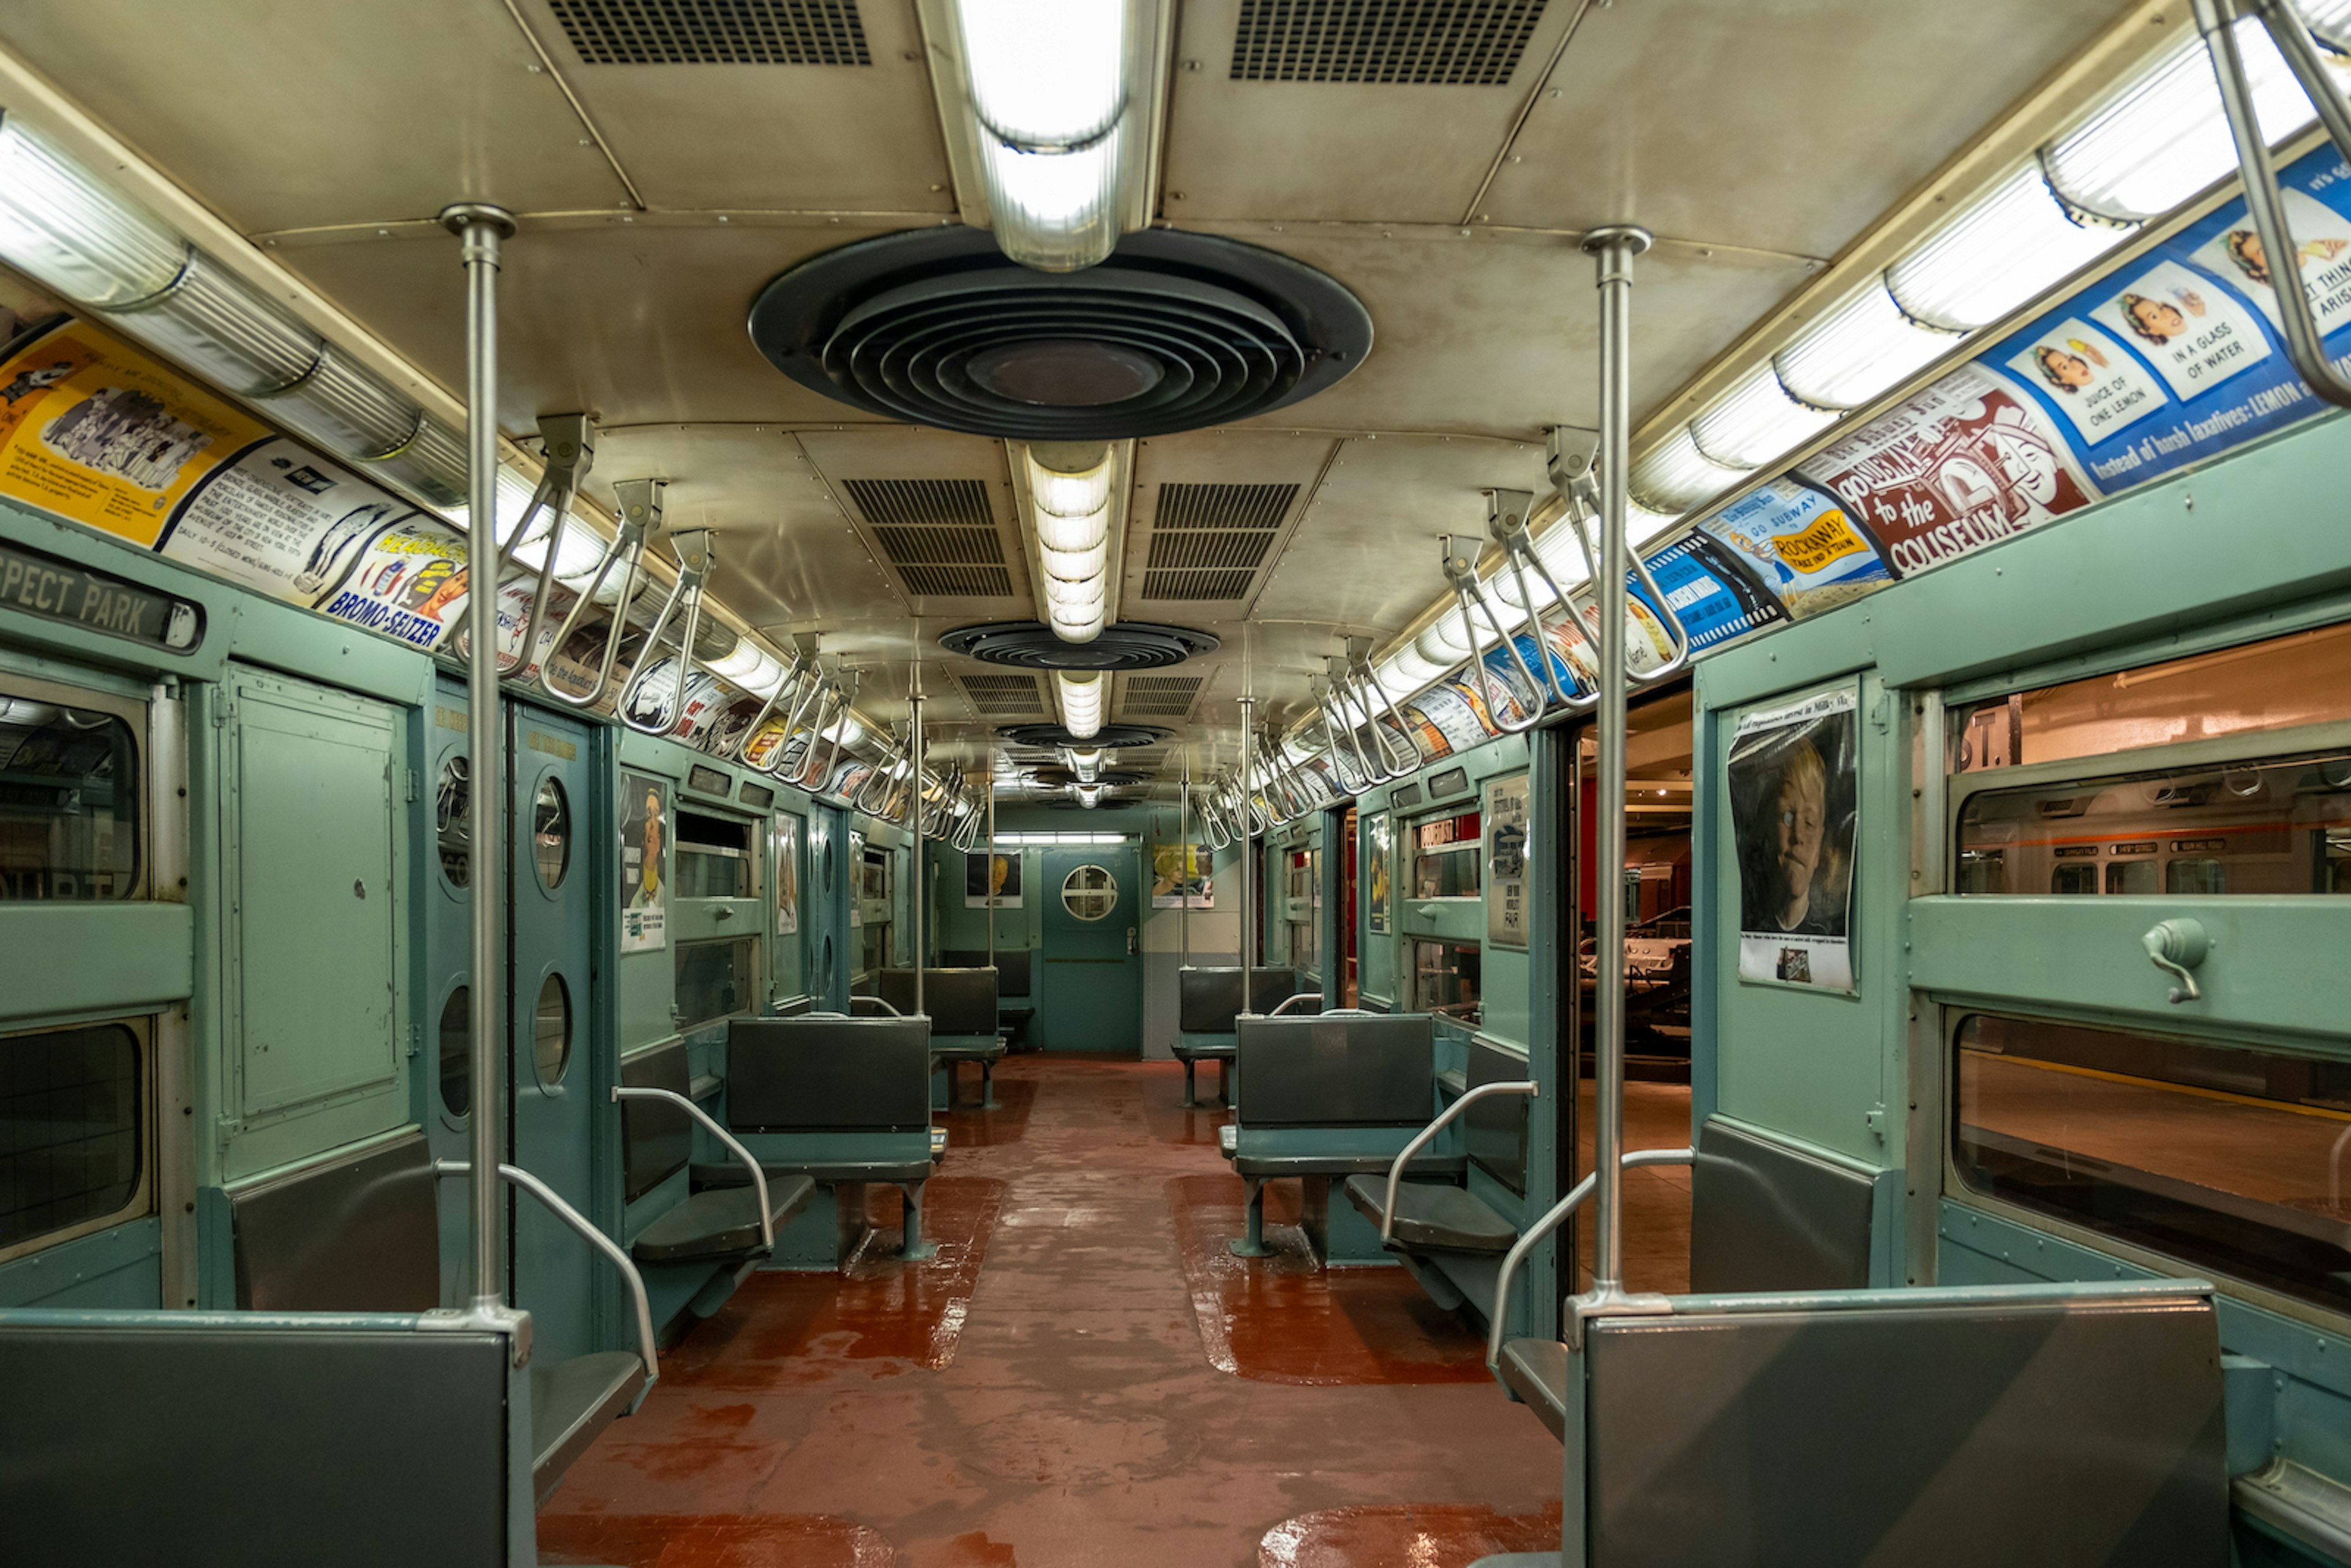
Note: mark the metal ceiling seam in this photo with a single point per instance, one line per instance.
(573, 220)
(587, 120)
(1526, 107)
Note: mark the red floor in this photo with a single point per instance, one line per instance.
(1045, 1393)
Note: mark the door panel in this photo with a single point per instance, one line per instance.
(1091, 983)
(445, 877)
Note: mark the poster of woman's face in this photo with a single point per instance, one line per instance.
(1793, 776)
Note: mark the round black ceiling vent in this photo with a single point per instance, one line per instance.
(1031, 645)
(1174, 331)
(1112, 737)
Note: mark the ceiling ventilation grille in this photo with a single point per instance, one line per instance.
(938, 533)
(1442, 43)
(714, 32)
(1159, 696)
(1003, 696)
(1209, 540)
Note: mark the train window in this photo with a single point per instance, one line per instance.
(714, 980)
(72, 1131)
(2073, 877)
(714, 857)
(2264, 826)
(2299, 679)
(1446, 863)
(2227, 1157)
(457, 1051)
(550, 1030)
(550, 833)
(452, 795)
(1446, 977)
(69, 802)
(1090, 893)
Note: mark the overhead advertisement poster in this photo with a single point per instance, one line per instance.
(644, 884)
(407, 582)
(94, 432)
(1801, 541)
(1179, 877)
(1793, 785)
(280, 520)
(1709, 592)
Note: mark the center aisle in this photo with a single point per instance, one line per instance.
(1041, 1394)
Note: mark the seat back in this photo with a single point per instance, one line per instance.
(2062, 1426)
(1496, 1127)
(656, 1136)
(1348, 1072)
(959, 1001)
(1011, 964)
(356, 1233)
(204, 1437)
(1207, 1000)
(1765, 1216)
(828, 1075)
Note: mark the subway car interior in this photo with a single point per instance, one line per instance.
(1314, 783)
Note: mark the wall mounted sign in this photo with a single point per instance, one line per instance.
(40, 584)
(1793, 789)
(644, 865)
(1508, 823)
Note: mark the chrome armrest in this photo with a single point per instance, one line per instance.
(758, 1176)
(1551, 1221)
(1421, 1140)
(648, 1349)
(1314, 997)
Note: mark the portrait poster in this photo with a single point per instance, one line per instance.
(788, 875)
(1508, 819)
(645, 864)
(1179, 877)
(1793, 785)
(1379, 870)
(992, 880)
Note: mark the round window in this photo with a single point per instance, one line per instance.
(457, 1051)
(452, 794)
(550, 833)
(1090, 893)
(551, 1030)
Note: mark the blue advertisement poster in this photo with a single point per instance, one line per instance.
(1712, 594)
(1800, 541)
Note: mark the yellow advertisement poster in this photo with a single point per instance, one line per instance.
(94, 432)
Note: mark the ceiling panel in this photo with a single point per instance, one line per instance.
(1403, 153)
(1839, 107)
(290, 113)
(721, 137)
(1238, 478)
(895, 481)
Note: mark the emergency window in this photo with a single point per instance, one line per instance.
(69, 807)
(1446, 858)
(1446, 979)
(714, 980)
(72, 1131)
(714, 857)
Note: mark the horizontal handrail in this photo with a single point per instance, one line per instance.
(887, 1009)
(758, 1176)
(648, 1346)
(1314, 997)
(1422, 1138)
(1551, 1220)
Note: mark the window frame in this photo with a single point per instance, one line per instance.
(143, 1202)
(138, 715)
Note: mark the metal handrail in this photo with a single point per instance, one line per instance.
(1555, 1217)
(1314, 997)
(1571, 466)
(881, 776)
(1421, 1140)
(570, 447)
(790, 682)
(803, 776)
(2216, 20)
(758, 1176)
(889, 1009)
(1462, 573)
(1507, 522)
(696, 555)
(627, 545)
(1368, 677)
(648, 1345)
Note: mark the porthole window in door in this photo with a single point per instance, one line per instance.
(550, 1030)
(1090, 893)
(550, 833)
(452, 794)
(457, 1051)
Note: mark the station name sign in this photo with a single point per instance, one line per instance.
(58, 590)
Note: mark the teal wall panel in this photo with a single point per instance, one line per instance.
(74, 959)
(117, 1269)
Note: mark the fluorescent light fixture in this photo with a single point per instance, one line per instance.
(1447, 641)
(73, 233)
(1075, 565)
(515, 493)
(1081, 697)
(1017, 839)
(1675, 475)
(1082, 624)
(1863, 347)
(2165, 136)
(2005, 248)
(1068, 479)
(1070, 485)
(1755, 422)
(1076, 596)
(1407, 671)
(574, 559)
(1046, 83)
(1642, 524)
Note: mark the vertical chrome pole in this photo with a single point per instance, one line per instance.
(922, 875)
(481, 228)
(1184, 869)
(989, 883)
(1613, 249)
(1248, 866)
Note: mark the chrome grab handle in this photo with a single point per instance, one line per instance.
(1360, 649)
(2215, 19)
(812, 692)
(627, 545)
(1551, 1220)
(758, 1176)
(790, 682)
(1421, 1140)
(697, 554)
(1572, 454)
(1461, 572)
(570, 448)
(1507, 512)
(878, 777)
(648, 1346)
(1314, 997)
(807, 774)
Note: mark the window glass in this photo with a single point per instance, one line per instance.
(550, 1030)
(714, 980)
(1090, 893)
(713, 856)
(71, 1131)
(1446, 858)
(457, 1051)
(451, 798)
(2073, 877)
(2226, 1158)
(1446, 980)
(2267, 826)
(68, 802)
(550, 833)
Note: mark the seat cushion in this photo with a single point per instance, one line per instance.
(731, 1174)
(572, 1402)
(1205, 1052)
(1340, 1163)
(966, 1050)
(1433, 1218)
(720, 1223)
(1536, 1371)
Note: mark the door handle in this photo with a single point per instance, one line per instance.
(1130, 941)
(2176, 946)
